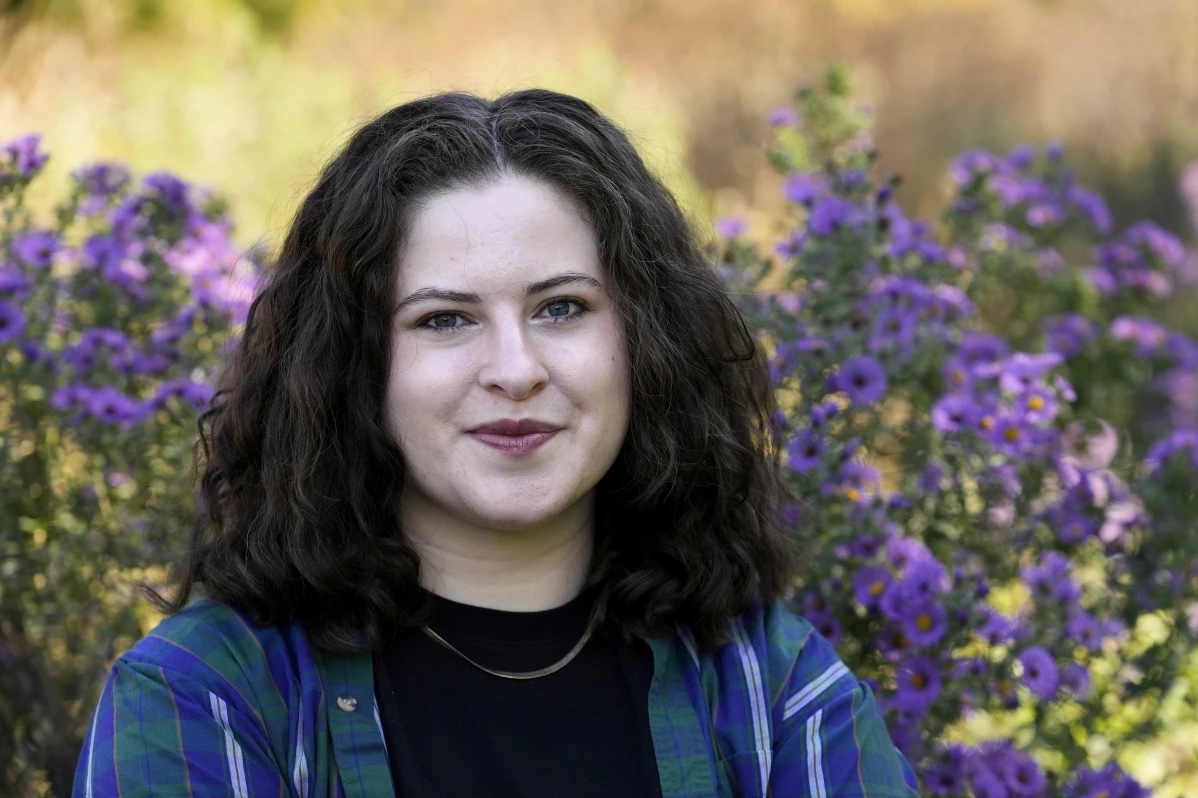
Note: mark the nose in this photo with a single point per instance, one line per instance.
(512, 363)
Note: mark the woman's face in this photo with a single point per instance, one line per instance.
(504, 318)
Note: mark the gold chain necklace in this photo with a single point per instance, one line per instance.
(554, 668)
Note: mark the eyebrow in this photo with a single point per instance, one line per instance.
(462, 297)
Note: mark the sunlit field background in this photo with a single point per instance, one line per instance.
(250, 97)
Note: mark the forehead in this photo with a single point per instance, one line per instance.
(515, 228)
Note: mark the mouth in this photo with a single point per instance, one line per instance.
(514, 445)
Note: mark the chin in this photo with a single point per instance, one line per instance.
(513, 512)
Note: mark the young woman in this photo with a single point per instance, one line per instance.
(490, 504)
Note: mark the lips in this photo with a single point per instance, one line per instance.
(515, 428)
(515, 437)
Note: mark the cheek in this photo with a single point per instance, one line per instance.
(421, 387)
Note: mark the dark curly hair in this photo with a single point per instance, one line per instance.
(298, 479)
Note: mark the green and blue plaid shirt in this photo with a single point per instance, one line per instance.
(210, 705)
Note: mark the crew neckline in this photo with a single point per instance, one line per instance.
(510, 626)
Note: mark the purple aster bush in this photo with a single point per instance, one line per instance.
(114, 311)
(979, 418)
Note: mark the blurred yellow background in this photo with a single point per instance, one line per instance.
(251, 96)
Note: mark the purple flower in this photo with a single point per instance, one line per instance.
(1182, 440)
(783, 116)
(970, 667)
(894, 328)
(1068, 334)
(997, 629)
(21, 158)
(869, 585)
(896, 603)
(856, 481)
(826, 624)
(196, 394)
(925, 577)
(1039, 672)
(729, 227)
(12, 321)
(101, 180)
(986, 784)
(903, 552)
(1020, 157)
(1163, 245)
(917, 683)
(953, 411)
(792, 245)
(949, 303)
(981, 349)
(947, 776)
(1073, 528)
(973, 163)
(1023, 776)
(806, 451)
(1022, 370)
(958, 375)
(1084, 630)
(171, 190)
(898, 291)
(1043, 215)
(863, 379)
(1038, 405)
(12, 282)
(1092, 206)
(804, 187)
(829, 214)
(36, 249)
(1147, 335)
(1109, 782)
(110, 406)
(925, 623)
(930, 478)
(1075, 678)
(1051, 580)
(822, 412)
(1009, 434)
(866, 546)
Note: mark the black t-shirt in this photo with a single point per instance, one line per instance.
(454, 730)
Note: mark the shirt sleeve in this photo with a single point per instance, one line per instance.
(841, 748)
(161, 733)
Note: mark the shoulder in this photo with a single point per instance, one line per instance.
(798, 669)
(215, 648)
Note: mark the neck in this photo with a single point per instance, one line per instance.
(518, 570)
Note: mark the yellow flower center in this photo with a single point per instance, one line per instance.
(1012, 434)
(987, 422)
(1036, 403)
(919, 680)
(876, 588)
(853, 494)
(924, 622)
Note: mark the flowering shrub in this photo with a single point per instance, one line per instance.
(996, 448)
(111, 319)
(1001, 539)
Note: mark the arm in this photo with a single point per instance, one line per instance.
(838, 746)
(158, 732)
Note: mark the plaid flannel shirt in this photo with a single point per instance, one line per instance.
(208, 704)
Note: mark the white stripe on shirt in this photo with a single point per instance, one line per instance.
(91, 747)
(814, 690)
(815, 756)
(757, 703)
(233, 755)
(300, 775)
